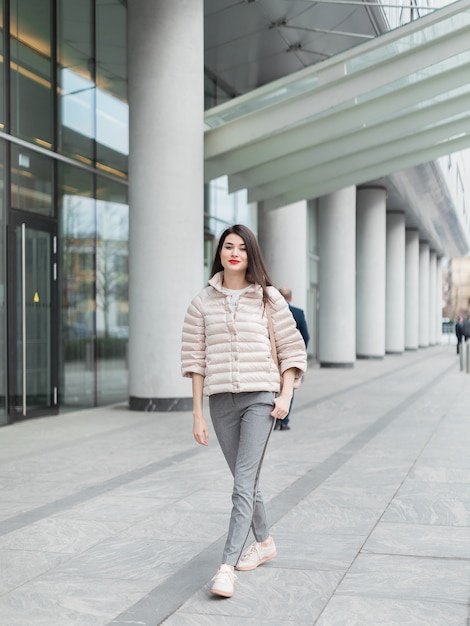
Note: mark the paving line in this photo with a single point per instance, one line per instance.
(61, 504)
(312, 403)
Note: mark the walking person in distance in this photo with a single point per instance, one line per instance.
(226, 351)
(301, 323)
(459, 332)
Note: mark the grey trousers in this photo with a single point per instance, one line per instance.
(242, 425)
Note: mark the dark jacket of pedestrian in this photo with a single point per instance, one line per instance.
(301, 322)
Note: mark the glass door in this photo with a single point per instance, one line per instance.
(32, 312)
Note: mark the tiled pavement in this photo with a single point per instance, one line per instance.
(109, 517)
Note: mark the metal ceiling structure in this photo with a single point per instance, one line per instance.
(248, 44)
(394, 102)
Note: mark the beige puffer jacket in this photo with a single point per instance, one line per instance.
(234, 354)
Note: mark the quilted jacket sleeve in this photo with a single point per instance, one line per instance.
(289, 342)
(193, 344)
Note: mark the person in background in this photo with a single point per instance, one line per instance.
(301, 323)
(459, 332)
(466, 329)
(226, 351)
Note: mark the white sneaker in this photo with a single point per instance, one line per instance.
(255, 555)
(223, 581)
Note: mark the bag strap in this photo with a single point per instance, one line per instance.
(271, 334)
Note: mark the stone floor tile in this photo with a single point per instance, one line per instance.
(184, 619)
(182, 522)
(114, 508)
(448, 473)
(366, 611)
(132, 558)
(60, 535)
(20, 566)
(452, 542)
(329, 518)
(288, 595)
(57, 601)
(408, 578)
(431, 503)
(315, 551)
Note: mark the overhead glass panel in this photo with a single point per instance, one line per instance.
(112, 111)
(245, 105)
(436, 69)
(75, 78)
(409, 42)
(31, 71)
(442, 26)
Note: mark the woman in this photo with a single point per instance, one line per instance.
(226, 350)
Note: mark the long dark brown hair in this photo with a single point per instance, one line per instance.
(256, 271)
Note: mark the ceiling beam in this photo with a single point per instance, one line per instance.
(404, 124)
(363, 175)
(338, 81)
(335, 123)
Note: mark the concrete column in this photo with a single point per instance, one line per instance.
(423, 294)
(165, 57)
(412, 289)
(432, 297)
(395, 284)
(439, 300)
(282, 235)
(337, 278)
(370, 272)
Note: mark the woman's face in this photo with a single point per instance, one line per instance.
(233, 254)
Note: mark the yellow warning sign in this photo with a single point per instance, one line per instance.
(36, 297)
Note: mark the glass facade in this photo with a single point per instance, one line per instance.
(2, 80)
(75, 73)
(112, 300)
(31, 181)
(31, 70)
(3, 274)
(63, 180)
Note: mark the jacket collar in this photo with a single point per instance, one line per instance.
(217, 280)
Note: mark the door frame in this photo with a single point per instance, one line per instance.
(49, 225)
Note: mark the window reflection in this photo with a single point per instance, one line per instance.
(2, 55)
(31, 93)
(2, 290)
(91, 126)
(94, 308)
(77, 262)
(112, 299)
(92, 79)
(76, 79)
(112, 123)
(31, 181)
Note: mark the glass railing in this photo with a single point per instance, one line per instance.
(250, 105)
(409, 42)
(443, 24)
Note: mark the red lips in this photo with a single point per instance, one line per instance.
(234, 262)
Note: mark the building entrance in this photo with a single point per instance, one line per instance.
(32, 316)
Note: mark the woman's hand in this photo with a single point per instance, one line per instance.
(200, 430)
(282, 402)
(281, 407)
